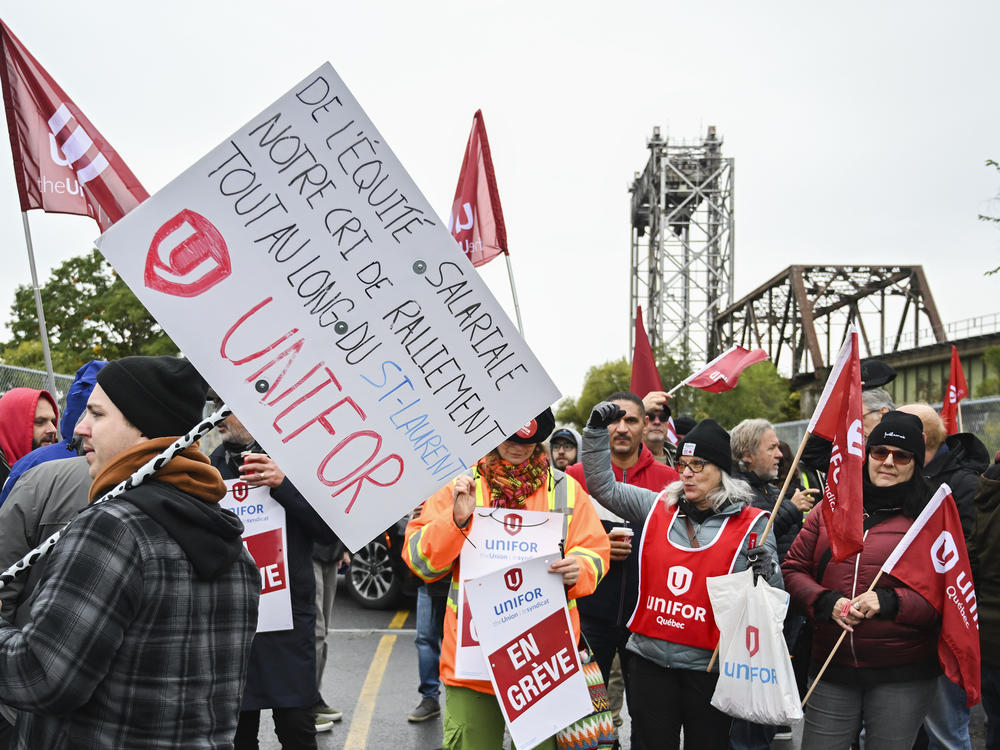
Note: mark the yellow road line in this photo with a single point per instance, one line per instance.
(399, 619)
(357, 738)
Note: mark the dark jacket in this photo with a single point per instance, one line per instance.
(984, 552)
(140, 631)
(959, 462)
(282, 672)
(616, 594)
(788, 519)
(880, 650)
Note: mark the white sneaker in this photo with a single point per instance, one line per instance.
(323, 724)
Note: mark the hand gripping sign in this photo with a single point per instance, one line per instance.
(309, 281)
(498, 538)
(529, 645)
(264, 536)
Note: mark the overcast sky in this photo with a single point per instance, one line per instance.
(859, 130)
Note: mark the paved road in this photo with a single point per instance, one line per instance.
(371, 676)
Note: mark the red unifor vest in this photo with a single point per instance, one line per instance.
(673, 600)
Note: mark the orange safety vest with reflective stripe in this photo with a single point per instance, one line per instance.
(433, 543)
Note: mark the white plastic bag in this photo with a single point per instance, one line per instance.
(756, 681)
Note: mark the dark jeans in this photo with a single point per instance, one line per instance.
(991, 704)
(668, 699)
(607, 639)
(295, 727)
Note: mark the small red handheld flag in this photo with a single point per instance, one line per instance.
(932, 559)
(645, 376)
(957, 390)
(62, 164)
(723, 372)
(837, 418)
(476, 216)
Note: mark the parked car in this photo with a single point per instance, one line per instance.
(377, 577)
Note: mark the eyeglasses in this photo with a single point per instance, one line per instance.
(696, 465)
(900, 458)
(657, 416)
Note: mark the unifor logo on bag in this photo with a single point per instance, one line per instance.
(944, 553)
(679, 579)
(512, 523)
(753, 640)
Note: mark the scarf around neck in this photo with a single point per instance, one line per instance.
(512, 484)
(190, 472)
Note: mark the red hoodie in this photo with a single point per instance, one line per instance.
(17, 421)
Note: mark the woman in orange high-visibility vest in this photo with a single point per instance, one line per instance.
(516, 474)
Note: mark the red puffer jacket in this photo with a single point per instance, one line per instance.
(904, 647)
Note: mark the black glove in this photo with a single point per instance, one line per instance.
(605, 413)
(760, 562)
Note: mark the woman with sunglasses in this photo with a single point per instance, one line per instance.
(885, 673)
(698, 527)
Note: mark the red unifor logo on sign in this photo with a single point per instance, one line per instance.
(513, 578)
(187, 256)
(240, 490)
(533, 664)
(512, 523)
(753, 640)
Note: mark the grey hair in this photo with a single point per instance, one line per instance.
(728, 490)
(745, 437)
(876, 399)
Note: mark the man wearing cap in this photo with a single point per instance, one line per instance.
(654, 435)
(564, 446)
(141, 629)
(516, 474)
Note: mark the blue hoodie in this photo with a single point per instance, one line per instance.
(76, 402)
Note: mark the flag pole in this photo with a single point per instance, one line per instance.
(960, 428)
(513, 293)
(833, 651)
(770, 521)
(38, 307)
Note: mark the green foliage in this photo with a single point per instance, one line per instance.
(761, 392)
(90, 314)
(990, 386)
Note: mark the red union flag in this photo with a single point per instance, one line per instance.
(645, 376)
(837, 418)
(957, 390)
(723, 372)
(476, 217)
(62, 164)
(931, 559)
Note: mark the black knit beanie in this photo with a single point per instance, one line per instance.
(900, 430)
(709, 441)
(537, 430)
(160, 396)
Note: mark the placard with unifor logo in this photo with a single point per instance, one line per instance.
(498, 537)
(529, 645)
(303, 273)
(264, 537)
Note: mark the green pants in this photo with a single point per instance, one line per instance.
(473, 721)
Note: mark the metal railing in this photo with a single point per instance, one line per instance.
(22, 377)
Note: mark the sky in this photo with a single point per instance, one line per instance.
(859, 131)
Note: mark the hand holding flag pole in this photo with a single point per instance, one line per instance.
(837, 418)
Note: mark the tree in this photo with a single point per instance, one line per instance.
(599, 383)
(90, 314)
(990, 386)
(761, 393)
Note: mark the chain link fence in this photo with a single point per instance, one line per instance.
(22, 377)
(980, 416)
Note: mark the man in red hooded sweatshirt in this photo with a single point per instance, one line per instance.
(28, 419)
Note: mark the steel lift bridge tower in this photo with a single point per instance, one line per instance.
(682, 245)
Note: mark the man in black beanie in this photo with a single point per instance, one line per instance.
(141, 629)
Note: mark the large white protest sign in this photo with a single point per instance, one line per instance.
(498, 537)
(264, 536)
(528, 641)
(307, 278)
